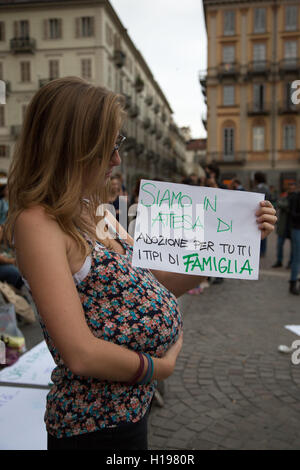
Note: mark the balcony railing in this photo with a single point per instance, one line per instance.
(234, 158)
(134, 111)
(287, 107)
(289, 65)
(23, 45)
(119, 58)
(16, 130)
(259, 67)
(44, 81)
(229, 69)
(254, 109)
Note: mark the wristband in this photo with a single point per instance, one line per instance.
(140, 369)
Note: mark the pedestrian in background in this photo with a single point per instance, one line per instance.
(294, 208)
(260, 186)
(283, 226)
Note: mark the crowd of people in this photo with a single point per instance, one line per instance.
(288, 212)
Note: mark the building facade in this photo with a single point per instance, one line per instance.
(41, 40)
(253, 119)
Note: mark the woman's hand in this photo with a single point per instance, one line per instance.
(266, 218)
(168, 361)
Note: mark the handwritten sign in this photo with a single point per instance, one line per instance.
(33, 368)
(22, 424)
(197, 230)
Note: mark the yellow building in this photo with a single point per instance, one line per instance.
(253, 121)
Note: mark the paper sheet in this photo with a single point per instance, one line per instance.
(22, 424)
(197, 230)
(33, 368)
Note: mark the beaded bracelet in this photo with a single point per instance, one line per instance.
(140, 369)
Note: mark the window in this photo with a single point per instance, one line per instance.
(258, 96)
(289, 137)
(21, 29)
(53, 69)
(2, 31)
(258, 139)
(25, 71)
(291, 17)
(4, 151)
(229, 23)
(2, 116)
(228, 54)
(288, 96)
(259, 56)
(24, 107)
(290, 52)
(85, 27)
(109, 35)
(86, 68)
(228, 137)
(228, 95)
(53, 28)
(259, 20)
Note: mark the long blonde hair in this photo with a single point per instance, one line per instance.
(68, 135)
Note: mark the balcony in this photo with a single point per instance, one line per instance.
(139, 85)
(259, 67)
(149, 100)
(287, 107)
(228, 70)
(256, 109)
(127, 101)
(203, 82)
(289, 66)
(16, 131)
(44, 81)
(119, 58)
(235, 158)
(146, 123)
(134, 111)
(23, 45)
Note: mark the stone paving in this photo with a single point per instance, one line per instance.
(231, 389)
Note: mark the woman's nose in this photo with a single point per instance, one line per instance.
(116, 159)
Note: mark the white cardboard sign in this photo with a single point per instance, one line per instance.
(197, 230)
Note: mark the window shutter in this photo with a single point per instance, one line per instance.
(2, 31)
(92, 26)
(291, 17)
(259, 20)
(228, 54)
(229, 22)
(60, 28)
(77, 27)
(16, 29)
(46, 29)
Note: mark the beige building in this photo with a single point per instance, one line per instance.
(253, 60)
(46, 39)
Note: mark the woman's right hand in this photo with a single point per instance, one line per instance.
(168, 361)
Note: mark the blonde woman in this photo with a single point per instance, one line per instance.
(112, 329)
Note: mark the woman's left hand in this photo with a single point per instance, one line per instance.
(266, 218)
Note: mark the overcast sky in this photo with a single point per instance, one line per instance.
(171, 36)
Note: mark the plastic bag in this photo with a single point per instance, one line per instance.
(9, 330)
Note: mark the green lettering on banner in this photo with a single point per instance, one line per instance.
(246, 267)
(148, 192)
(222, 269)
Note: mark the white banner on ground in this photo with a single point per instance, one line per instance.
(33, 368)
(197, 230)
(22, 424)
(294, 329)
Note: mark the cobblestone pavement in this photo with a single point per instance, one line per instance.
(231, 388)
